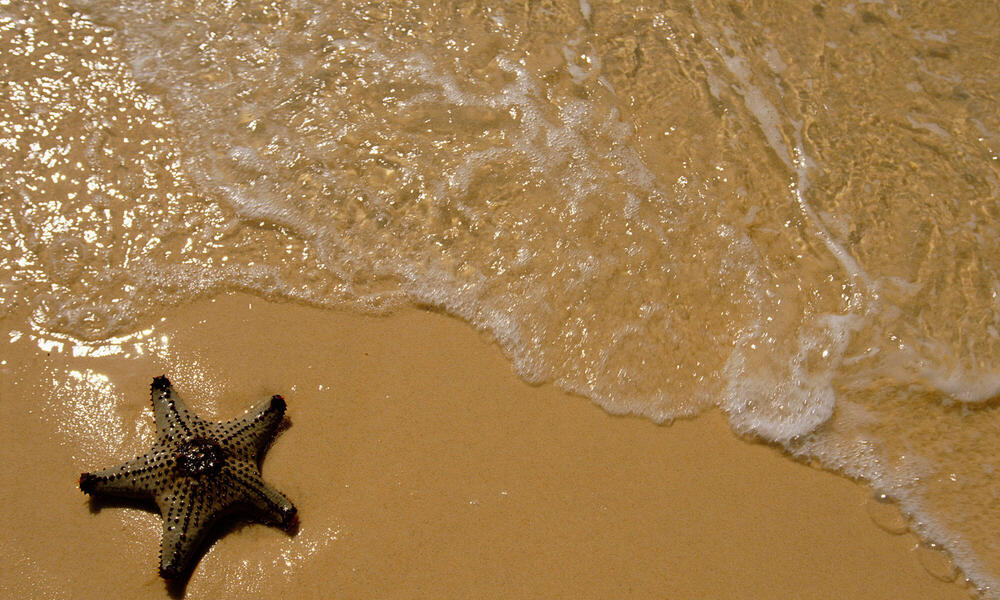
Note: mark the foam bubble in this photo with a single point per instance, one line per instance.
(781, 402)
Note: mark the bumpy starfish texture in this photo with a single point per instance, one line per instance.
(198, 471)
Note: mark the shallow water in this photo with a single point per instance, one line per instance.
(789, 210)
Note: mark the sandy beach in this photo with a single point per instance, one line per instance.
(423, 467)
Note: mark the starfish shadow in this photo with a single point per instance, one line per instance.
(98, 503)
(225, 525)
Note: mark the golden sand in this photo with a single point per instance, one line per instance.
(422, 468)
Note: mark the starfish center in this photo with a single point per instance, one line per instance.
(200, 456)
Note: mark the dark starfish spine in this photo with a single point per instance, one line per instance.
(198, 471)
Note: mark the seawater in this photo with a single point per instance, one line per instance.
(786, 210)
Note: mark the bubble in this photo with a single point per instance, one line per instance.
(886, 514)
(936, 561)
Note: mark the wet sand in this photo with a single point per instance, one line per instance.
(422, 467)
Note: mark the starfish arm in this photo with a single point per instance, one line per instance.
(249, 435)
(137, 478)
(251, 489)
(173, 419)
(188, 513)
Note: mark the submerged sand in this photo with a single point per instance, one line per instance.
(423, 467)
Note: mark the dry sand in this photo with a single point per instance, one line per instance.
(422, 468)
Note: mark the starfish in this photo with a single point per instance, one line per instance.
(198, 471)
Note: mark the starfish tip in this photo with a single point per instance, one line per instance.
(169, 572)
(160, 383)
(87, 481)
(290, 519)
(278, 402)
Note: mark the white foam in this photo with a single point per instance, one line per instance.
(962, 384)
(792, 400)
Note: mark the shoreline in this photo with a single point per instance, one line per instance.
(422, 466)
